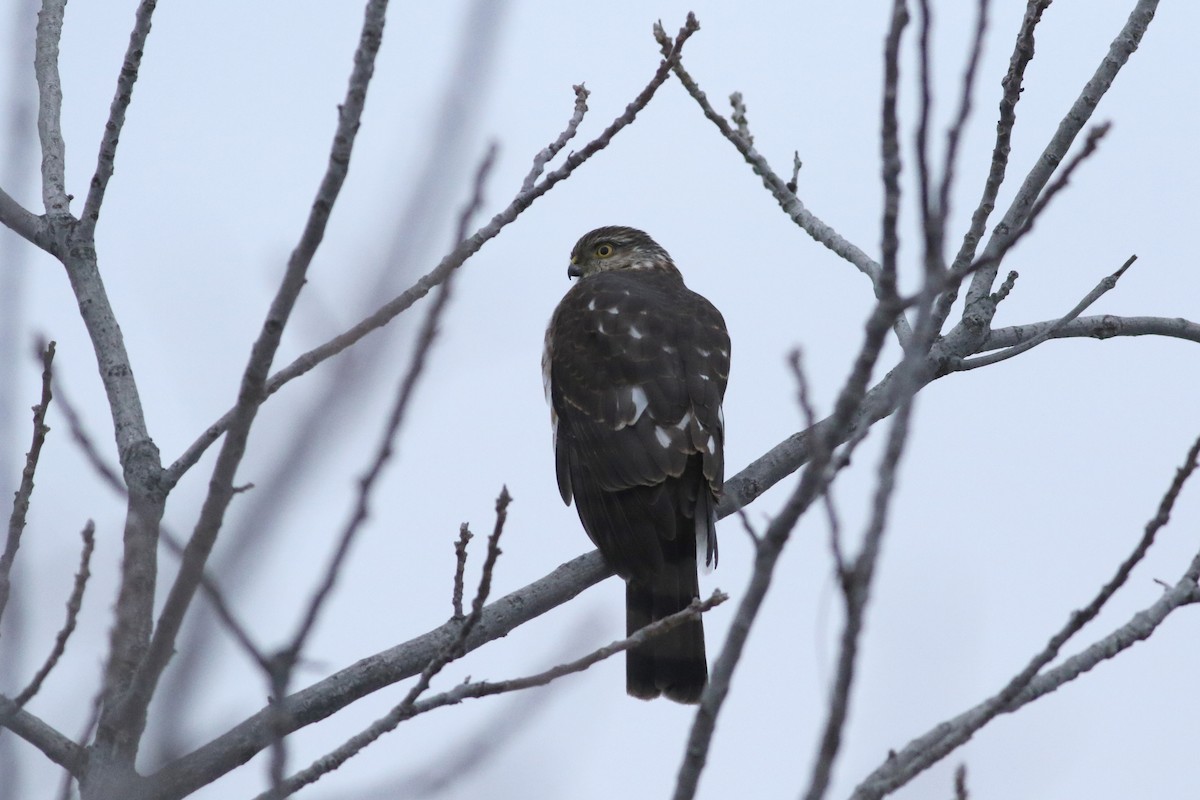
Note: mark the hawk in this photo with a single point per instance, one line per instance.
(635, 368)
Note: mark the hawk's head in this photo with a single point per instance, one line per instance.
(614, 248)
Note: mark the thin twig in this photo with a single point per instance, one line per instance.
(960, 783)
(803, 397)
(739, 118)
(954, 134)
(794, 183)
(116, 119)
(16, 520)
(545, 156)
(1010, 280)
(460, 568)
(107, 473)
(74, 603)
(452, 261)
(748, 527)
(215, 596)
(1023, 50)
(931, 217)
(856, 581)
(1106, 284)
(456, 649)
(890, 145)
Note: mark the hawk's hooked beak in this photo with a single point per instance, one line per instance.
(573, 271)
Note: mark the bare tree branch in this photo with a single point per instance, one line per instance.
(1107, 284)
(890, 144)
(16, 521)
(45, 62)
(460, 558)
(547, 155)
(810, 419)
(1023, 49)
(1106, 326)
(931, 217)
(74, 603)
(22, 221)
(116, 119)
(216, 597)
(56, 747)
(139, 457)
(856, 581)
(211, 589)
(954, 134)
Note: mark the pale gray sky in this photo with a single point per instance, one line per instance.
(1025, 484)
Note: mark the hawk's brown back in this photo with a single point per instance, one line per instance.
(636, 368)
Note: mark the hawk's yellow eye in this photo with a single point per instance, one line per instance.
(604, 250)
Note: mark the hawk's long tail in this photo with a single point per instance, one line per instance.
(673, 663)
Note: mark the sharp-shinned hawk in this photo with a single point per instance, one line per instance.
(635, 368)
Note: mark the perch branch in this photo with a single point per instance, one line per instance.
(16, 520)
(478, 689)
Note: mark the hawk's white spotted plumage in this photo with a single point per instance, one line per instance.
(636, 366)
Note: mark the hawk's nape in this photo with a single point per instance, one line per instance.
(636, 366)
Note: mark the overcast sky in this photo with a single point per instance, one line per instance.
(1024, 486)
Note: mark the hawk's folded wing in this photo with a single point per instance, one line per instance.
(636, 366)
